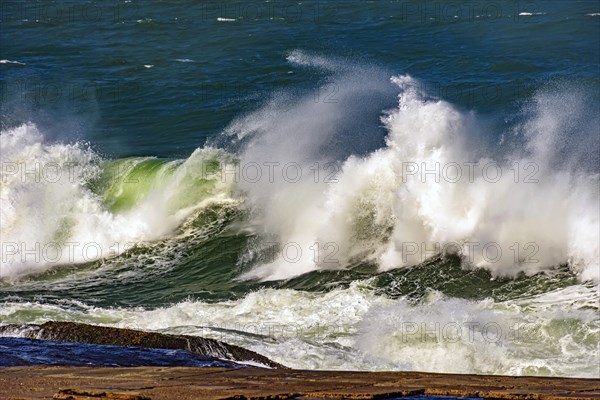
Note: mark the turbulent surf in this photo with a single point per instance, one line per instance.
(366, 221)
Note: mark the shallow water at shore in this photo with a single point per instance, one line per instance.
(19, 352)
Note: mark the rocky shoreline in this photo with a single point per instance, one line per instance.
(102, 335)
(275, 381)
(152, 383)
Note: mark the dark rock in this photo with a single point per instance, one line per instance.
(71, 394)
(102, 335)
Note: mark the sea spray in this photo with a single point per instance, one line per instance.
(426, 190)
(63, 204)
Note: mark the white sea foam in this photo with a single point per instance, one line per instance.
(302, 58)
(50, 216)
(375, 209)
(529, 14)
(11, 62)
(555, 333)
(378, 208)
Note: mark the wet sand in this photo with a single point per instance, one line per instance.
(160, 383)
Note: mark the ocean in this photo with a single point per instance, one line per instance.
(337, 185)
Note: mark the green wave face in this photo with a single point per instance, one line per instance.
(126, 183)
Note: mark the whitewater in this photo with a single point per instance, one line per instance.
(325, 229)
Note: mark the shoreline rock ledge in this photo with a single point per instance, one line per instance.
(183, 383)
(216, 383)
(62, 332)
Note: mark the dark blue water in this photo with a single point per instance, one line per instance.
(18, 352)
(85, 73)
